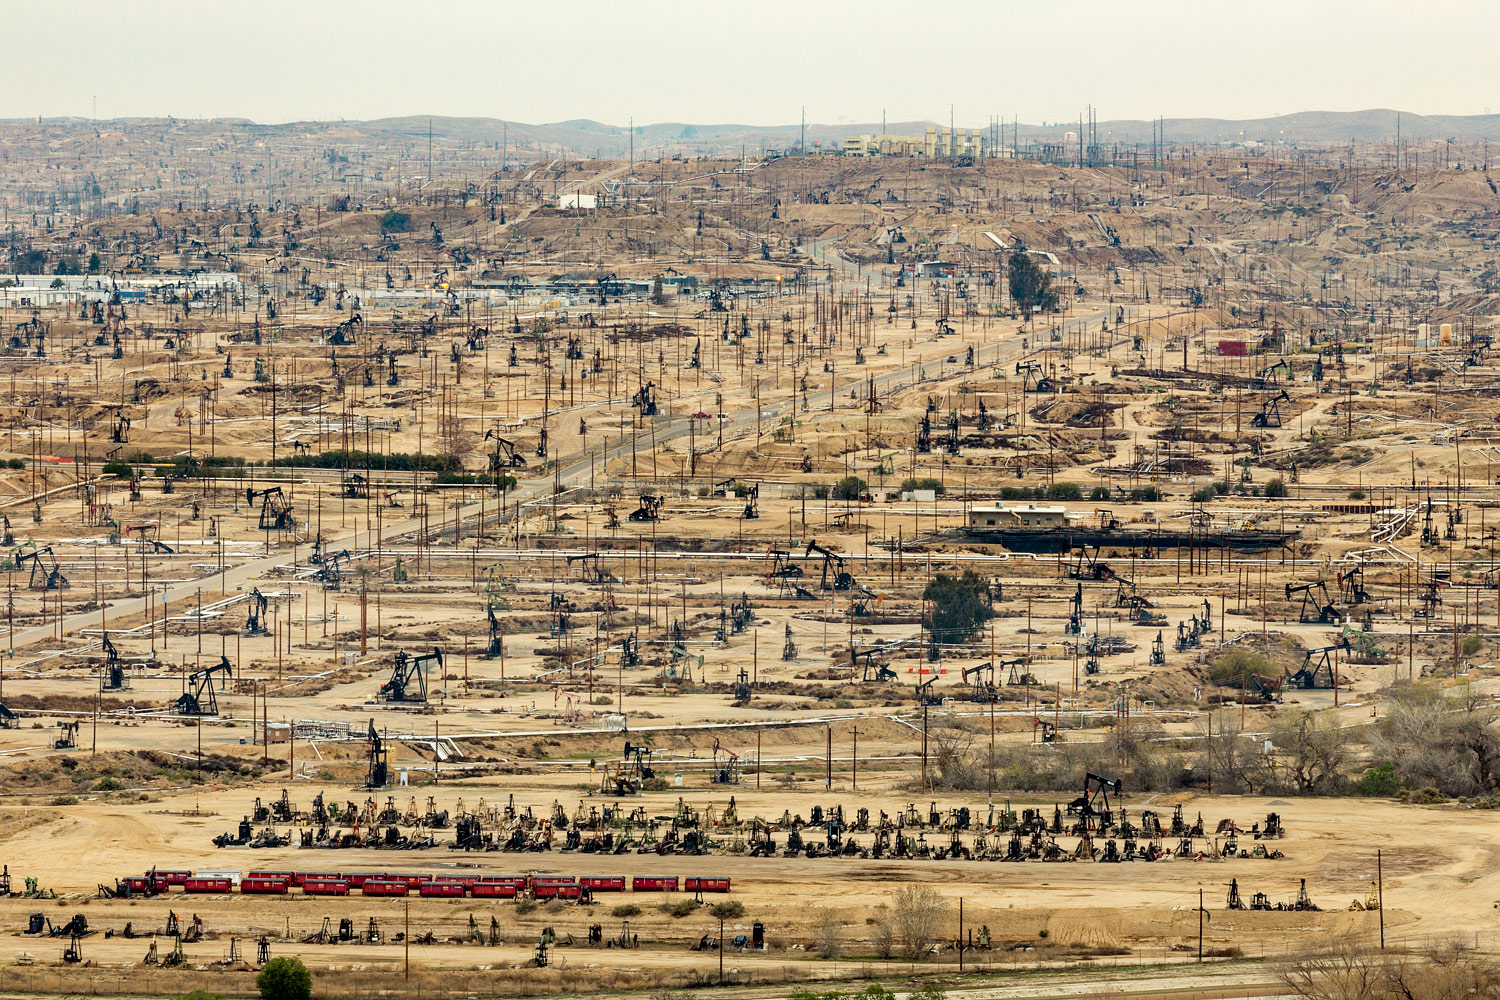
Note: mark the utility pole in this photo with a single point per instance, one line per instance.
(1380, 896)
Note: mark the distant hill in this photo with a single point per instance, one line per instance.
(587, 138)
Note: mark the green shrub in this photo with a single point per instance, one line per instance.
(17, 463)
(1064, 491)
(1276, 488)
(395, 222)
(684, 908)
(1356, 494)
(1230, 669)
(284, 979)
(626, 910)
(1146, 494)
(525, 906)
(1380, 781)
(1426, 797)
(730, 909)
(1099, 493)
(1204, 494)
(1471, 644)
(121, 470)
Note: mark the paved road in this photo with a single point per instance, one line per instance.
(575, 471)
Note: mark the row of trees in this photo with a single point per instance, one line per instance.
(1428, 745)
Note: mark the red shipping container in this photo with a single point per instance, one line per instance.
(302, 878)
(603, 883)
(492, 890)
(384, 887)
(440, 889)
(325, 887)
(358, 879)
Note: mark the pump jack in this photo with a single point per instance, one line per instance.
(408, 671)
(651, 508)
(1317, 667)
(200, 699)
(1092, 807)
(496, 634)
(255, 617)
(644, 401)
(981, 681)
(275, 510)
(378, 758)
(113, 678)
(873, 670)
(752, 503)
(841, 578)
(505, 453)
(67, 736)
(1270, 411)
(1313, 609)
(43, 576)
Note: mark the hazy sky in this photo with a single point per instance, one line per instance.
(755, 62)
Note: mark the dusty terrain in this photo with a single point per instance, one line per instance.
(497, 334)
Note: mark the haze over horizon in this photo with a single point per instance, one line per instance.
(844, 63)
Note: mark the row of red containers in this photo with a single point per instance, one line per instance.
(388, 884)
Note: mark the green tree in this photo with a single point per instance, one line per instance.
(849, 488)
(94, 263)
(913, 483)
(1030, 286)
(284, 979)
(1064, 491)
(1276, 488)
(729, 910)
(395, 222)
(957, 605)
(658, 294)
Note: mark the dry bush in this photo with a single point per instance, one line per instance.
(826, 935)
(882, 938)
(1350, 971)
(918, 914)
